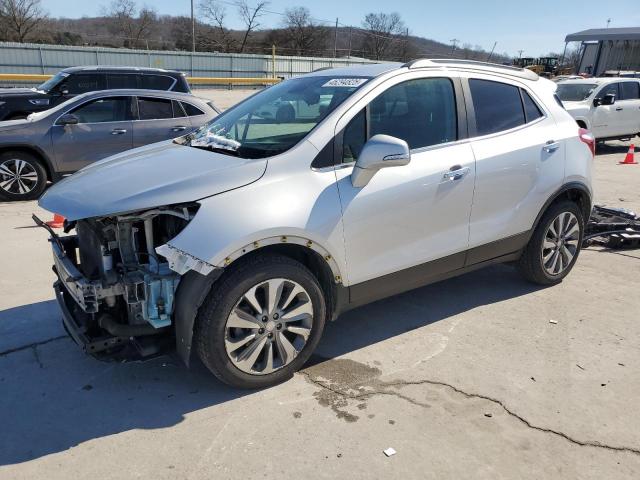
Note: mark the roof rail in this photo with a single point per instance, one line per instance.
(473, 65)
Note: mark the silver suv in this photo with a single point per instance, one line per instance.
(241, 240)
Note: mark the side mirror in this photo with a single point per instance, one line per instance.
(608, 99)
(63, 89)
(381, 151)
(68, 119)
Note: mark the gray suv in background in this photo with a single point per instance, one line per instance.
(88, 128)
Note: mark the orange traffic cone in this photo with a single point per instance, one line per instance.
(57, 222)
(628, 159)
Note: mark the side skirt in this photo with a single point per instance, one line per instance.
(501, 251)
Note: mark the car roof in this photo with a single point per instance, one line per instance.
(119, 69)
(364, 70)
(141, 93)
(377, 69)
(596, 80)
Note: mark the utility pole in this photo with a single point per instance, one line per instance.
(349, 55)
(454, 44)
(193, 30)
(608, 22)
(335, 41)
(491, 54)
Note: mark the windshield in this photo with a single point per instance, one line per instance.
(575, 92)
(53, 81)
(275, 119)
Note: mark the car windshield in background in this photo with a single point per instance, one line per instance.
(276, 119)
(53, 81)
(575, 92)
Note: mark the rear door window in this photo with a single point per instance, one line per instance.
(497, 106)
(121, 80)
(154, 108)
(110, 109)
(191, 110)
(156, 82)
(630, 91)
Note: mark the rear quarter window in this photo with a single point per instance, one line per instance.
(497, 106)
(191, 110)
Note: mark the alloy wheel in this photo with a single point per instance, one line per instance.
(269, 326)
(561, 243)
(17, 177)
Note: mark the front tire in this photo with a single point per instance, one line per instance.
(22, 176)
(554, 246)
(261, 322)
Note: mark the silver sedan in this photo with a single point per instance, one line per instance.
(87, 128)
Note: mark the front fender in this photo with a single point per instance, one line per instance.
(295, 205)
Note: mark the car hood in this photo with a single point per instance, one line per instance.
(24, 92)
(152, 176)
(8, 125)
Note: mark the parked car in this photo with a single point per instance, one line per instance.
(609, 107)
(242, 240)
(89, 127)
(17, 103)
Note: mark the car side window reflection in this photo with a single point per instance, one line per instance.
(101, 110)
(421, 112)
(608, 89)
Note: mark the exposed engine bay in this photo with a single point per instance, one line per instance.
(118, 291)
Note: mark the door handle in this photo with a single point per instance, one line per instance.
(118, 131)
(178, 128)
(456, 173)
(551, 146)
(619, 108)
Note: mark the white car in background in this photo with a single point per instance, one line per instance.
(609, 107)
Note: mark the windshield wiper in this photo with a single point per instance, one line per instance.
(211, 148)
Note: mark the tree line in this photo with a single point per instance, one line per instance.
(125, 23)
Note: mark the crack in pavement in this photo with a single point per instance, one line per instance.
(31, 345)
(400, 384)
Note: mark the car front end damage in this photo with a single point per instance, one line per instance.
(116, 292)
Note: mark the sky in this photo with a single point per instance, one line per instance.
(480, 22)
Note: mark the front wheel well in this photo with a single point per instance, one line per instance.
(310, 259)
(35, 153)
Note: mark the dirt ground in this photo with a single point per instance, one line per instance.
(483, 376)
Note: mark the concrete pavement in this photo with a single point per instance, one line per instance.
(467, 378)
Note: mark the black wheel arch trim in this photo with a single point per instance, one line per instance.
(192, 290)
(586, 195)
(48, 164)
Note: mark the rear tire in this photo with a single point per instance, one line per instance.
(554, 246)
(22, 176)
(246, 331)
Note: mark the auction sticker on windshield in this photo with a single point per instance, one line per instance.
(345, 82)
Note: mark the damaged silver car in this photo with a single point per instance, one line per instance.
(240, 241)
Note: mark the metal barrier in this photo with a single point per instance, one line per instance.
(24, 77)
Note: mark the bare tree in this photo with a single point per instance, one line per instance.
(382, 28)
(213, 11)
(131, 23)
(21, 18)
(250, 16)
(301, 31)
